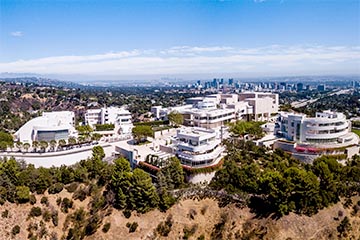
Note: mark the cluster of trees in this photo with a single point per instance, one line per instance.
(134, 190)
(175, 118)
(242, 128)
(125, 189)
(6, 140)
(18, 179)
(86, 134)
(280, 184)
(141, 132)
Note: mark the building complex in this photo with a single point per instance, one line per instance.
(326, 133)
(213, 111)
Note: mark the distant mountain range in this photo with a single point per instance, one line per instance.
(89, 82)
(41, 81)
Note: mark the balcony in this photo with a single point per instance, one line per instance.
(201, 157)
(201, 148)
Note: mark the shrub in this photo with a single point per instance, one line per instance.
(344, 228)
(72, 187)
(44, 200)
(164, 228)
(55, 218)
(22, 194)
(106, 227)
(127, 213)
(219, 228)
(348, 202)
(58, 201)
(97, 202)
(203, 210)
(5, 213)
(35, 212)
(188, 232)
(201, 237)
(132, 226)
(104, 127)
(192, 213)
(15, 230)
(46, 215)
(32, 199)
(92, 225)
(80, 194)
(56, 188)
(66, 204)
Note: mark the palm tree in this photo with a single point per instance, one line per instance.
(62, 142)
(26, 146)
(82, 138)
(35, 145)
(53, 144)
(72, 141)
(43, 145)
(19, 145)
(11, 145)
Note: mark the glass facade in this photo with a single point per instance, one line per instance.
(52, 135)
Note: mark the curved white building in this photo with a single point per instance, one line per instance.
(198, 147)
(325, 127)
(49, 126)
(327, 130)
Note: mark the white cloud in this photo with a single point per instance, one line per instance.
(199, 60)
(17, 34)
(259, 1)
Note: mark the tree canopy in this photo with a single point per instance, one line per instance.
(242, 128)
(6, 140)
(140, 132)
(280, 184)
(175, 118)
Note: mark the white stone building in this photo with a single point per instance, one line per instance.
(198, 147)
(49, 126)
(120, 117)
(326, 133)
(263, 104)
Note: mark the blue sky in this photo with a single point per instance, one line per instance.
(108, 37)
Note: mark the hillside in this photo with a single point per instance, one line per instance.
(197, 218)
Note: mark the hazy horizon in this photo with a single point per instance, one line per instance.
(194, 39)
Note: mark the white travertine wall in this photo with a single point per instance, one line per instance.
(57, 159)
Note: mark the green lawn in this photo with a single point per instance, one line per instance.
(357, 131)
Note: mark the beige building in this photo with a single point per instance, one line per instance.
(264, 104)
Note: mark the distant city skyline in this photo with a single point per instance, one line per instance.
(127, 39)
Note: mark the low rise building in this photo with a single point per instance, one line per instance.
(326, 133)
(198, 147)
(264, 104)
(120, 117)
(214, 110)
(49, 126)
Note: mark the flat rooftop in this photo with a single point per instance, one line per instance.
(196, 132)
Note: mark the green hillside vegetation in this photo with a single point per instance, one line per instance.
(278, 184)
(124, 189)
(270, 183)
